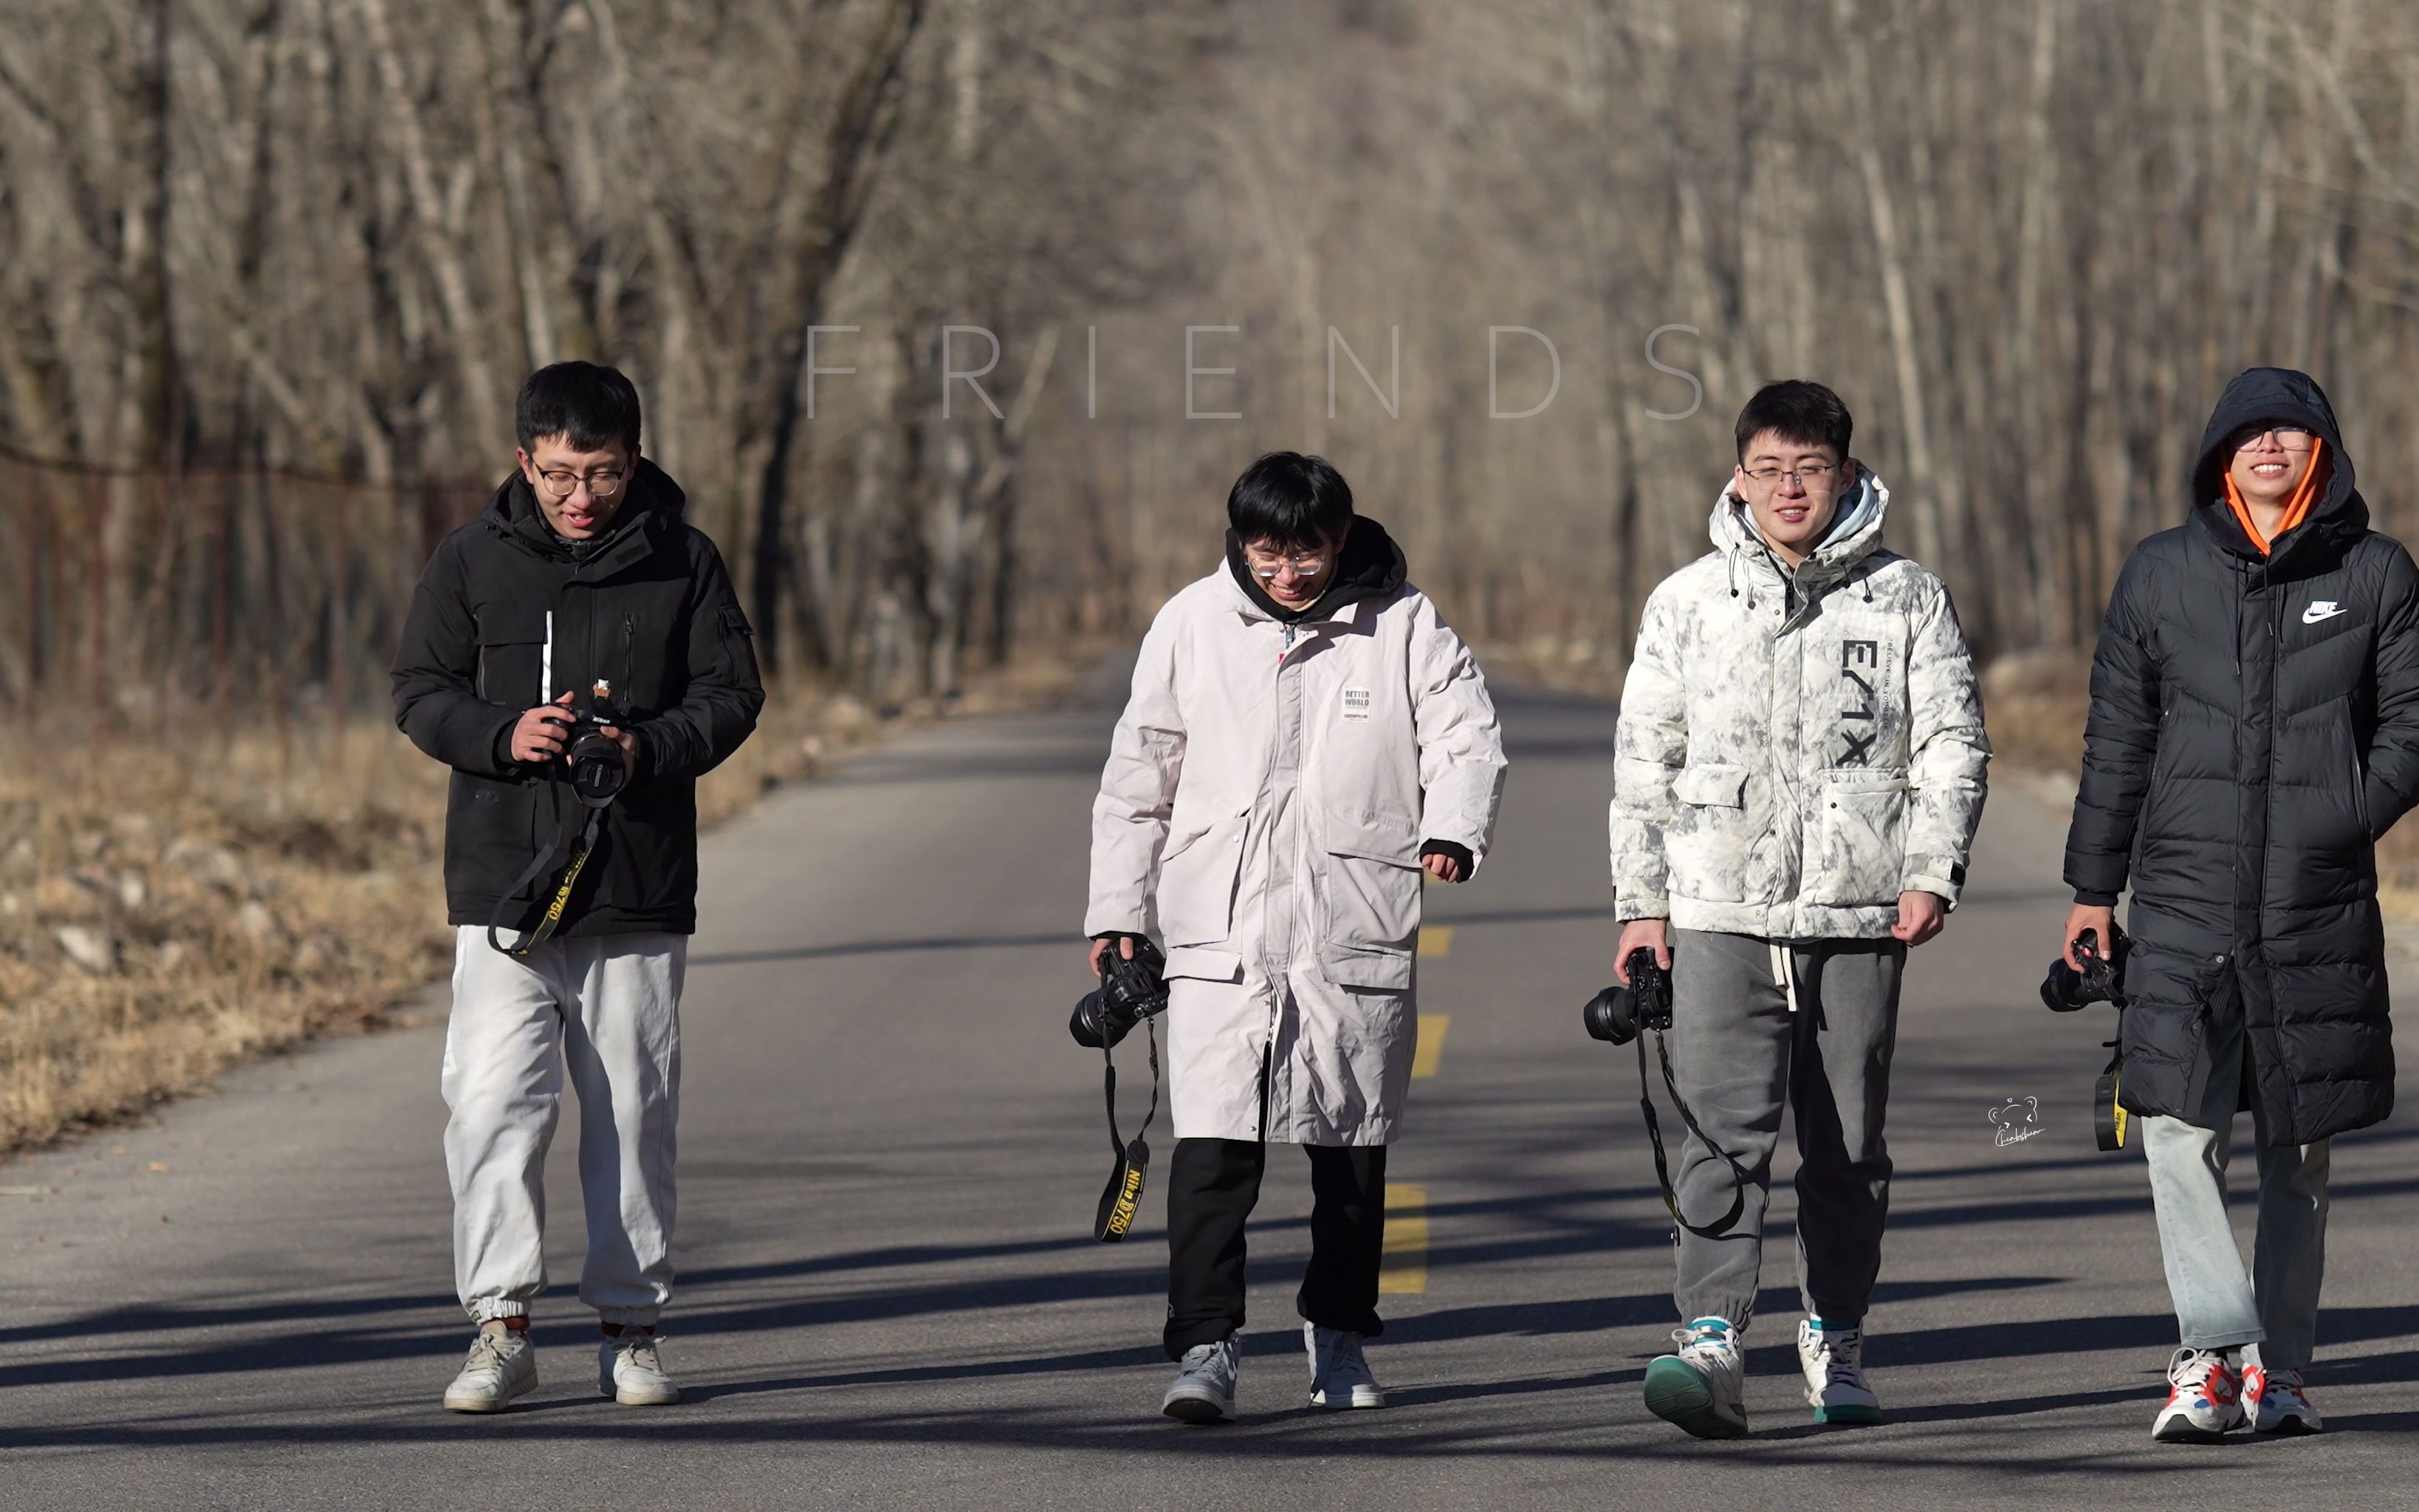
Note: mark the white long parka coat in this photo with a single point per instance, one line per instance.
(1267, 794)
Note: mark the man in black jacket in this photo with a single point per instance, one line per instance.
(2253, 729)
(578, 589)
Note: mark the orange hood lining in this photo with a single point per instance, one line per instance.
(2297, 508)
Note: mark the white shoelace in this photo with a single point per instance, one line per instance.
(2188, 1370)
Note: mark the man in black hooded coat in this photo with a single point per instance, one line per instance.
(2253, 729)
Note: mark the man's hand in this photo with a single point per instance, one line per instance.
(1653, 934)
(1443, 868)
(629, 744)
(1920, 917)
(1101, 948)
(543, 732)
(2100, 921)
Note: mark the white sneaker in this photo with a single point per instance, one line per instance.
(1700, 1388)
(1204, 1388)
(629, 1370)
(1833, 1360)
(2204, 1399)
(1339, 1372)
(503, 1365)
(2274, 1402)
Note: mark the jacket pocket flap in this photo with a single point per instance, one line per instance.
(1378, 970)
(1202, 964)
(1182, 837)
(1715, 785)
(1383, 835)
(1855, 780)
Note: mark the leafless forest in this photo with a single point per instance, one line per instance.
(269, 270)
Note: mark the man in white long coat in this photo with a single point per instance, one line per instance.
(1306, 738)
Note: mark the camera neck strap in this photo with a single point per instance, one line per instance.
(1123, 1198)
(582, 848)
(1721, 1225)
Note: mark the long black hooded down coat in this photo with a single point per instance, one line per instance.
(2254, 728)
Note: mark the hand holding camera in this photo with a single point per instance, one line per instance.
(1133, 987)
(2087, 974)
(1641, 1000)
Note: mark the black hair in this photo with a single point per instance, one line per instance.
(1290, 502)
(588, 406)
(1807, 413)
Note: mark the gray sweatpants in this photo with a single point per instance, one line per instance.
(1754, 1021)
(609, 1005)
(2275, 1308)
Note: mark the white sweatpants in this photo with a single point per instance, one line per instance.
(609, 1005)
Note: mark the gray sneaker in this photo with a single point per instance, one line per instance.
(1204, 1388)
(1339, 1372)
(629, 1370)
(502, 1365)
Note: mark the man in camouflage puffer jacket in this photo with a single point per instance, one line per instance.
(1799, 774)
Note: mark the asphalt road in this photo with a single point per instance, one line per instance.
(890, 1155)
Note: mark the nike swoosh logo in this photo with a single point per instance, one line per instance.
(2317, 612)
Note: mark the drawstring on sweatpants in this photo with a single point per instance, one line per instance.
(1784, 973)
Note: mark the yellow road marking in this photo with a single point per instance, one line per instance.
(1435, 940)
(1430, 1048)
(1402, 1271)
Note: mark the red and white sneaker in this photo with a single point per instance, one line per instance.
(2205, 1399)
(2275, 1403)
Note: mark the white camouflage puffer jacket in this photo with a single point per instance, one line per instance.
(1796, 750)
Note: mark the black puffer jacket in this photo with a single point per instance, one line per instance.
(2254, 728)
(649, 610)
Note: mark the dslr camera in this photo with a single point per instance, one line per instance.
(1616, 1015)
(1130, 992)
(2102, 980)
(598, 770)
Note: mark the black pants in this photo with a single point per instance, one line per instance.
(1212, 1187)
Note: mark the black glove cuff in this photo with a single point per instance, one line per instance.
(1452, 850)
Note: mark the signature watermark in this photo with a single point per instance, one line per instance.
(2015, 1121)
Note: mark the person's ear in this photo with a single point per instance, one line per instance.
(528, 469)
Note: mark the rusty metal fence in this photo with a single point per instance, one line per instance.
(139, 594)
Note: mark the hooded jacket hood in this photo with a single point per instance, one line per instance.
(1856, 533)
(2276, 395)
(1371, 565)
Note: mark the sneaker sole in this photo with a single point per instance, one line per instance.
(2182, 1431)
(1197, 1410)
(638, 1398)
(1357, 1400)
(489, 1404)
(1850, 1415)
(1680, 1397)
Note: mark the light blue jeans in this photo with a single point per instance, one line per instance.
(2275, 1309)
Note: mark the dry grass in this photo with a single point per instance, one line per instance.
(168, 910)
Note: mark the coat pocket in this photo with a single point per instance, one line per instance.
(1858, 857)
(2164, 1030)
(1369, 898)
(1197, 878)
(1707, 842)
(512, 666)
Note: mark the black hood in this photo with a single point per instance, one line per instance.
(2276, 395)
(1370, 566)
(655, 502)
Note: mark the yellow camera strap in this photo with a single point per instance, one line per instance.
(1123, 1198)
(551, 920)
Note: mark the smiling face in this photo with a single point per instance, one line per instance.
(1792, 490)
(2269, 462)
(1294, 576)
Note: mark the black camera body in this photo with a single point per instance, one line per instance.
(598, 769)
(2102, 980)
(1130, 992)
(1616, 1015)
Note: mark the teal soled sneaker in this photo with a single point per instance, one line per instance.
(1700, 1388)
(1833, 1360)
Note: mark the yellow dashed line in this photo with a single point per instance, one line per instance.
(1435, 940)
(1404, 1269)
(1430, 1048)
